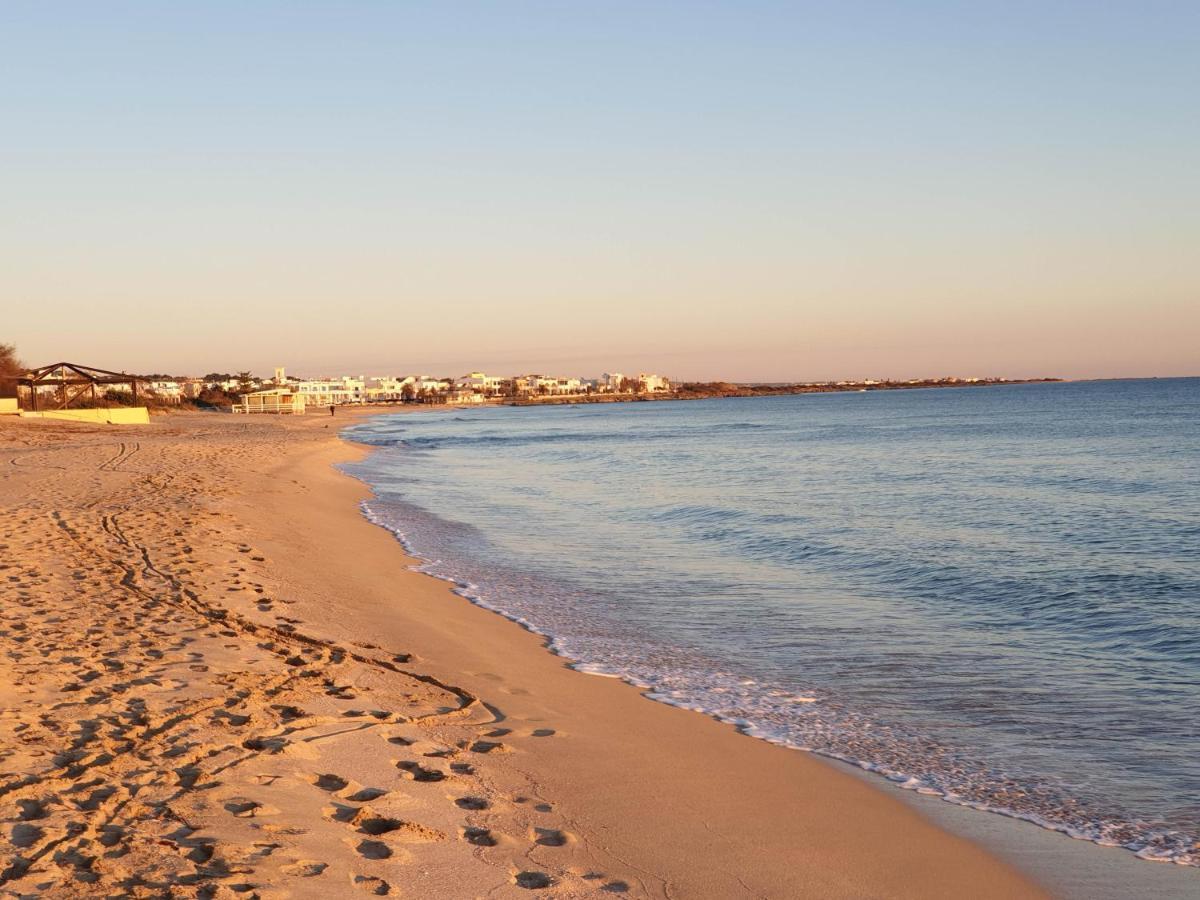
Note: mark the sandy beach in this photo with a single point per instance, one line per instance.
(220, 680)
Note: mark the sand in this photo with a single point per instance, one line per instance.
(219, 680)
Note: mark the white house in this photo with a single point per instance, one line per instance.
(430, 385)
(385, 388)
(653, 383)
(487, 385)
(167, 390)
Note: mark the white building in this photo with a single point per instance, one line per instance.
(277, 401)
(479, 383)
(546, 385)
(653, 383)
(464, 396)
(330, 391)
(382, 389)
(192, 388)
(167, 390)
(427, 384)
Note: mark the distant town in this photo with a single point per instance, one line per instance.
(57, 387)
(247, 393)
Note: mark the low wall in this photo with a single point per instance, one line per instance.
(8, 406)
(120, 415)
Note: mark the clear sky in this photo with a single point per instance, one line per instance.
(747, 190)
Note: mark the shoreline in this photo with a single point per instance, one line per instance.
(348, 725)
(779, 755)
(1071, 865)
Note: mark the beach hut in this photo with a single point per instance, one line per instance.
(80, 393)
(275, 401)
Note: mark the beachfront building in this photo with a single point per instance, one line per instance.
(546, 386)
(464, 396)
(428, 386)
(275, 401)
(383, 389)
(611, 382)
(331, 391)
(484, 385)
(652, 384)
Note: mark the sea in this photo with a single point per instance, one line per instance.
(987, 594)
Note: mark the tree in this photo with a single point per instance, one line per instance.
(10, 367)
(214, 398)
(245, 382)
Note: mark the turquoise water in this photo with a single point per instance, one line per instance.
(991, 594)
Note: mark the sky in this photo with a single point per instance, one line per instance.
(750, 191)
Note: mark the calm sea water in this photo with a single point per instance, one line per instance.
(991, 594)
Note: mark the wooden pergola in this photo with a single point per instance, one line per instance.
(73, 381)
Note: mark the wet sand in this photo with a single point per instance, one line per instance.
(219, 680)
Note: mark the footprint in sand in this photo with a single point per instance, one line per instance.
(31, 809)
(533, 880)
(289, 713)
(25, 836)
(480, 837)
(328, 782)
(265, 744)
(375, 886)
(549, 837)
(417, 772)
(304, 868)
(364, 795)
(111, 835)
(373, 850)
(201, 853)
(487, 747)
(369, 823)
(245, 808)
(471, 803)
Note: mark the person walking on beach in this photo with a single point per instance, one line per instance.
(331, 409)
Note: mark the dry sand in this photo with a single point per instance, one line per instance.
(219, 680)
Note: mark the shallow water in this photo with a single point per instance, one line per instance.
(992, 594)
